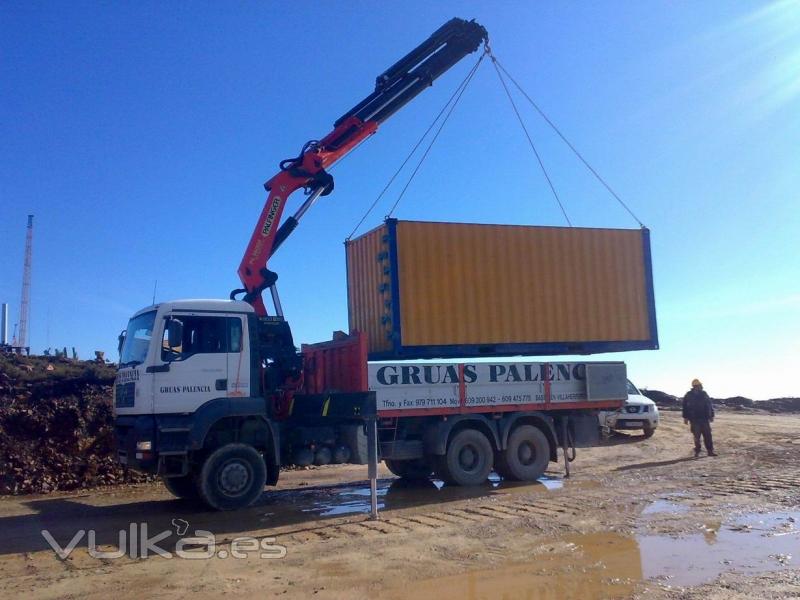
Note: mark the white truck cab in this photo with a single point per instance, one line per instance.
(638, 412)
(199, 400)
(176, 356)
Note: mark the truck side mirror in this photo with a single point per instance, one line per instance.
(174, 333)
(120, 341)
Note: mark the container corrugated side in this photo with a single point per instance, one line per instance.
(475, 284)
(470, 290)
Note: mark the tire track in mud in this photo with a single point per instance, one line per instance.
(768, 483)
(738, 488)
(557, 511)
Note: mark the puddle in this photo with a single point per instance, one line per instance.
(610, 565)
(749, 544)
(665, 506)
(392, 494)
(552, 483)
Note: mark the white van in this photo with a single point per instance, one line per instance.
(638, 412)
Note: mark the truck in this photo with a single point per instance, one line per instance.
(638, 413)
(214, 397)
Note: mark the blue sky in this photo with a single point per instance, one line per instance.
(139, 134)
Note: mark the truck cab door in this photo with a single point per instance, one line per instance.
(239, 367)
(192, 366)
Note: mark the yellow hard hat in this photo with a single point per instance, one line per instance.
(696, 383)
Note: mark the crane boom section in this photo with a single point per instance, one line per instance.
(394, 88)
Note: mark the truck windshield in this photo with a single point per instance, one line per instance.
(632, 391)
(137, 339)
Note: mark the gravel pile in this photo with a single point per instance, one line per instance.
(56, 426)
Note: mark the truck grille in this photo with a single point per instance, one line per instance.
(632, 409)
(123, 395)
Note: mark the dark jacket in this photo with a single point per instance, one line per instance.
(697, 406)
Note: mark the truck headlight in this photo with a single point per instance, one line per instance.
(144, 446)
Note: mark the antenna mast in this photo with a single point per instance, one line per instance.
(25, 303)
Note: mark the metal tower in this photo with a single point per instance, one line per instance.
(24, 305)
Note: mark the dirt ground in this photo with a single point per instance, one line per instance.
(638, 518)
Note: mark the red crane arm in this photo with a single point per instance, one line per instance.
(393, 89)
(305, 172)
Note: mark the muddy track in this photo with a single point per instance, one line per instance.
(590, 536)
(557, 513)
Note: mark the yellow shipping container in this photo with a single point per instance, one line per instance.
(451, 290)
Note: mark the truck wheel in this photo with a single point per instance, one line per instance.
(232, 477)
(527, 454)
(648, 432)
(182, 487)
(409, 469)
(468, 460)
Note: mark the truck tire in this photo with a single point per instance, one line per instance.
(182, 487)
(355, 438)
(415, 469)
(648, 432)
(468, 461)
(232, 477)
(526, 456)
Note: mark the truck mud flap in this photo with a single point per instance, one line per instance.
(584, 429)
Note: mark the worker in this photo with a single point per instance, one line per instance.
(698, 413)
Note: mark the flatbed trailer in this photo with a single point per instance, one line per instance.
(461, 420)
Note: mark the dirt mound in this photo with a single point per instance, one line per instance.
(56, 426)
(780, 405)
(735, 402)
(662, 399)
(773, 405)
